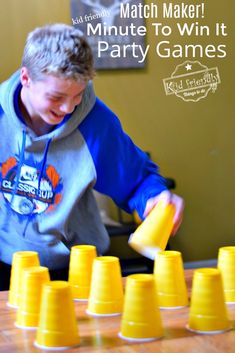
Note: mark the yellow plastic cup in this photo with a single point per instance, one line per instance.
(170, 280)
(80, 269)
(141, 320)
(33, 279)
(106, 293)
(226, 264)
(152, 235)
(21, 260)
(208, 311)
(57, 320)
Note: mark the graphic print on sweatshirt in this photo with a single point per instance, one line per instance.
(27, 190)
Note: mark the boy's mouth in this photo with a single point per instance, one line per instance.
(58, 116)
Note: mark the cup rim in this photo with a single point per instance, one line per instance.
(131, 339)
(141, 277)
(13, 306)
(227, 249)
(207, 271)
(170, 253)
(29, 328)
(208, 332)
(90, 313)
(83, 248)
(106, 259)
(173, 307)
(148, 251)
(25, 254)
(54, 348)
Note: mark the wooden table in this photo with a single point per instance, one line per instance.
(100, 334)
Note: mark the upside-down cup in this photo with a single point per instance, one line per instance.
(106, 293)
(208, 311)
(226, 264)
(80, 269)
(21, 260)
(57, 326)
(153, 234)
(33, 279)
(141, 320)
(170, 280)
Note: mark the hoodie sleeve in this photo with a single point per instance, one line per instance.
(124, 172)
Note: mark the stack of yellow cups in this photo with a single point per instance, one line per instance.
(33, 279)
(106, 293)
(208, 312)
(80, 269)
(57, 320)
(21, 260)
(169, 275)
(141, 319)
(226, 264)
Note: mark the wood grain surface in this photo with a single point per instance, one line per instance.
(101, 334)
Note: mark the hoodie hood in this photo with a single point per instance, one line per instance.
(66, 127)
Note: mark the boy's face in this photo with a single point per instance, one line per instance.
(51, 98)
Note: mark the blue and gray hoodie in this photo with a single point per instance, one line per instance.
(46, 199)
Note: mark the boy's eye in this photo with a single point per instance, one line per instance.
(55, 99)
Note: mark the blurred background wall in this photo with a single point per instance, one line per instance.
(192, 142)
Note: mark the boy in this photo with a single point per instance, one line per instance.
(58, 141)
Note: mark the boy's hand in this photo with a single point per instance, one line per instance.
(168, 197)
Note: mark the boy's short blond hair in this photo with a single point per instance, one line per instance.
(60, 50)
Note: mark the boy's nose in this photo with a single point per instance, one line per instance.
(67, 107)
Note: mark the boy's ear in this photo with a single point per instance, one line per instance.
(24, 77)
